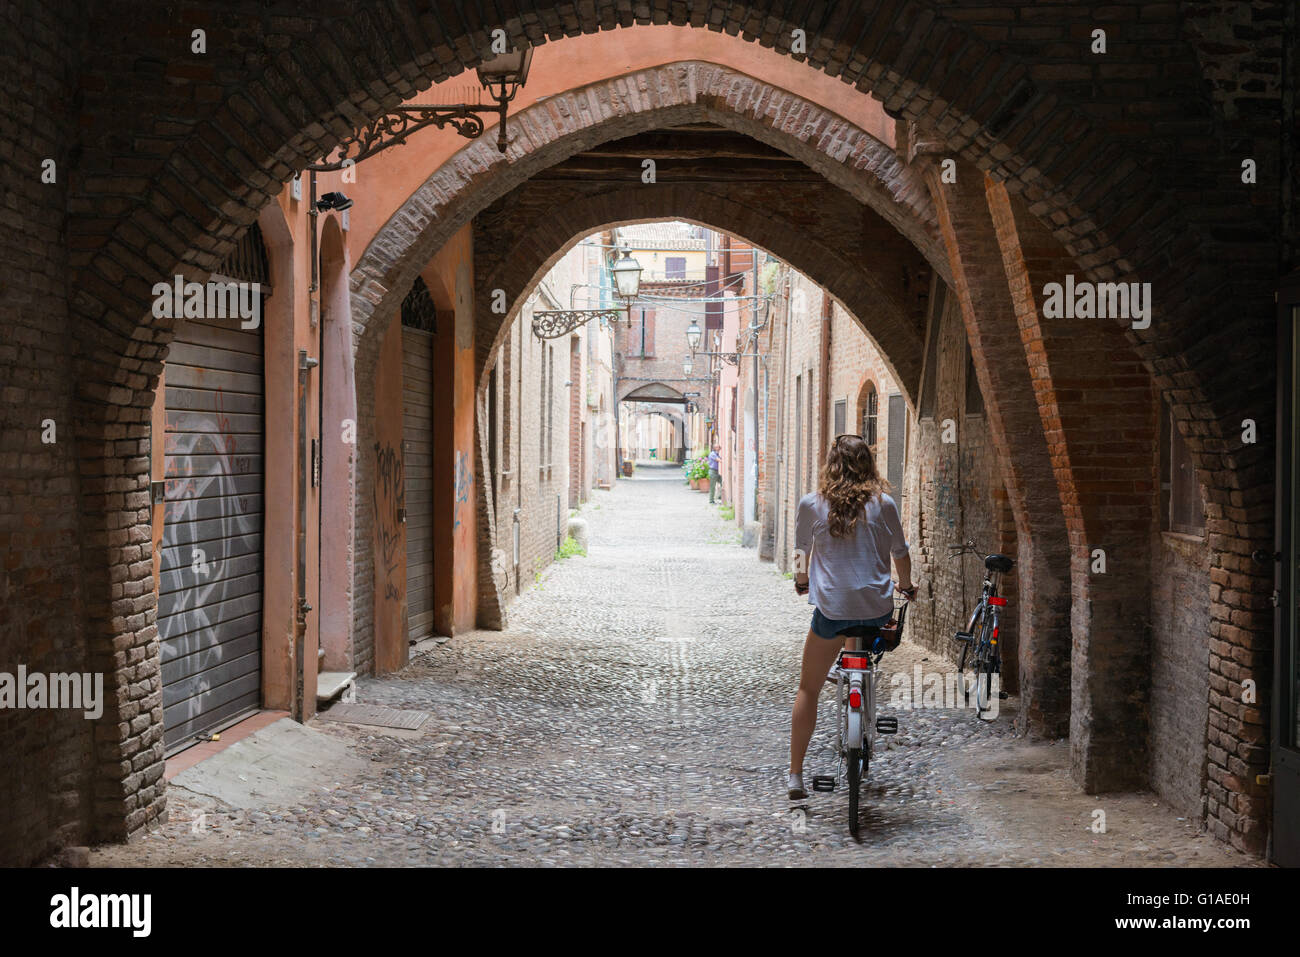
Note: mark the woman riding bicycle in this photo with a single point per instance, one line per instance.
(847, 531)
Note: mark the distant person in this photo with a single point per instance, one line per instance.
(715, 475)
(847, 530)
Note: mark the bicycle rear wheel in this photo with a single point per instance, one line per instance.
(855, 782)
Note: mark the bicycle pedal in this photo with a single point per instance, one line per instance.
(887, 726)
(823, 782)
(963, 636)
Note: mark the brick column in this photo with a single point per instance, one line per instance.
(1097, 409)
(120, 606)
(1043, 568)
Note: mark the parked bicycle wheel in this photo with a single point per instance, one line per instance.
(987, 663)
(969, 649)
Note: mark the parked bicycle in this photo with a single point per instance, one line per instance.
(980, 649)
(856, 676)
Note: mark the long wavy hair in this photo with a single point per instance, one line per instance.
(848, 481)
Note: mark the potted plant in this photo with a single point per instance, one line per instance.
(700, 475)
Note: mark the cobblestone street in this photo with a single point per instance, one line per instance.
(637, 712)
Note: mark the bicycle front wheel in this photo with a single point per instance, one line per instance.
(970, 648)
(983, 681)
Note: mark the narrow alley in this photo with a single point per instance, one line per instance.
(636, 711)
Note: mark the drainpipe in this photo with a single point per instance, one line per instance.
(305, 463)
(753, 387)
(782, 486)
(305, 365)
(828, 312)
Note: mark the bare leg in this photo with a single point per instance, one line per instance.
(818, 656)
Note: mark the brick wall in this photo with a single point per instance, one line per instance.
(954, 492)
(47, 757)
(1180, 676)
(855, 362)
(535, 372)
(804, 395)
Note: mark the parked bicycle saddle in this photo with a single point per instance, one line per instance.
(999, 563)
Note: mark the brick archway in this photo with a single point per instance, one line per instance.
(892, 329)
(898, 219)
(180, 201)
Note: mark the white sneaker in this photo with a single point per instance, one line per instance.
(797, 793)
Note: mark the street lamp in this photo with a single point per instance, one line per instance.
(502, 76)
(693, 335)
(553, 323)
(627, 277)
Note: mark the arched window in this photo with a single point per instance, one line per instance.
(870, 409)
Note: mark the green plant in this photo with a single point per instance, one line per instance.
(728, 512)
(699, 469)
(569, 548)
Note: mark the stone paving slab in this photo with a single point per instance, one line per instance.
(592, 733)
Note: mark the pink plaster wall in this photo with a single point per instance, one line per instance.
(391, 176)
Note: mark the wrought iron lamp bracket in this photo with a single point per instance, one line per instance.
(551, 324)
(394, 126)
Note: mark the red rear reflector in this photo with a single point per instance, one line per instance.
(847, 662)
(995, 636)
(855, 699)
(997, 600)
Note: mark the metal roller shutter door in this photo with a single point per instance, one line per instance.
(210, 621)
(417, 464)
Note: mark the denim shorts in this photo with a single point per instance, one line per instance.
(829, 628)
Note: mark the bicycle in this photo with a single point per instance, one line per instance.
(980, 639)
(857, 676)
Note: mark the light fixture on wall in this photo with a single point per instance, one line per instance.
(693, 335)
(688, 365)
(627, 277)
(626, 273)
(502, 76)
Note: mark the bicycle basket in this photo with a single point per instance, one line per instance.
(891, 634)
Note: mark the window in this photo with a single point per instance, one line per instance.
(1182, 507)
(870, 415)
(647, 333)
(841, 411)
(798, 438)
(897, 446)
(813, 402)
(541, 405)
(550, 404)
(675, 267)
(493, 432)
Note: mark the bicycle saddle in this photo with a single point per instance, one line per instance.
(999, 563)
